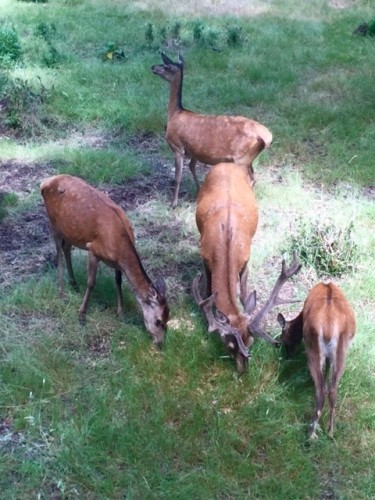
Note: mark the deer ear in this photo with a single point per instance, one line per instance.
(281, 320)
(251, 302)
(160, 285)
(181, 60)
(166, 59)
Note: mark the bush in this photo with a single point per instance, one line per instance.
(46, 31)
(113, 52)
(330, 250)
(24, 113)
(10, 47)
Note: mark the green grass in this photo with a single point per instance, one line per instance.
(96, 411)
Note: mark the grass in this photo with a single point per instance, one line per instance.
(97, 412)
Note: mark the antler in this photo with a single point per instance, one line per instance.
(218, 322)
(274, 299)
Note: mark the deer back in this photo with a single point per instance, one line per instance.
(327, 313)
(326, 316)
(88, 219)
(227, 218)
(214, 139)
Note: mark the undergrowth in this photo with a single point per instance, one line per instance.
(330, 250)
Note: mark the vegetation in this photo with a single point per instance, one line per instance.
(96, 411)
(330, 251)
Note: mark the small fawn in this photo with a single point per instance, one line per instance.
(327, 325)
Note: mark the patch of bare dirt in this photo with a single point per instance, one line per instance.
(26, 246)
(24, 238)
(22, 178)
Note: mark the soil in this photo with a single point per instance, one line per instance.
(26, 246)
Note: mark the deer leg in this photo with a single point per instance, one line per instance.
(66, 247)
(92, 268)
(337, 371)
(59, 242)
(192, 166)
(120, 302)
(178, 162)
(320, 389)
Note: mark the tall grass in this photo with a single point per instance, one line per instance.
(96, 411)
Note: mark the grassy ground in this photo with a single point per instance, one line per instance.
(96, 412)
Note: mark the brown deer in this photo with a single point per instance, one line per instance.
(227, 218)
(204, 138)
(327, 325)
(84, 217)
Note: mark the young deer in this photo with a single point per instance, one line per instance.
(84, 217)
(209, 139)
(227, 218)
(327, 324)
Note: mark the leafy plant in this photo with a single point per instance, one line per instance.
(113, 52)
(234, 37)
(52, 57)
(149, 34)
(331, 251)
(10, 47)
(197, 31)
(23, 110)
(46, 31)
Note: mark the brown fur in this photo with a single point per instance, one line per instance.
(205, 138)
(327, 325)
(84, 217)
(227, 218)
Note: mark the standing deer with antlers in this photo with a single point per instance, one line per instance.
(227, 218)
(327, 325)
(205, 138)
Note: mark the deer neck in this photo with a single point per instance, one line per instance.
(135, 273)
(226, 301)
(175, 96)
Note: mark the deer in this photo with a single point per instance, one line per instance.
(227, 219)
(84, 217)
(209, 139)
(327, 325)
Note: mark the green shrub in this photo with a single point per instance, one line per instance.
(330, 250)
(10, 47)
(46, 31)
(149, 34)
(113, 52)
(234, 36)
(24, 111)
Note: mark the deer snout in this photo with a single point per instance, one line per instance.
(241, 363)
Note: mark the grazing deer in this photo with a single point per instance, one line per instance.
(209, 139)
(327, 324)
(84, 217)
(227, 218)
